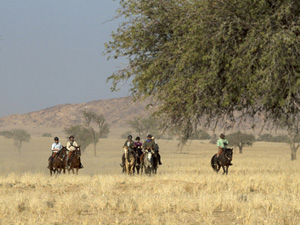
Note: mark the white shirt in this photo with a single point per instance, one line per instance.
(56, 146)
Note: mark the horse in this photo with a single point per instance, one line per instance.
(59, 162)
(129, 161)
(224, 161)
(148, 162)
(139, 153)
(155, 162)
(74, 160)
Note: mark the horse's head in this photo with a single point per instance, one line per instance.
(77, 151)
(229, 153)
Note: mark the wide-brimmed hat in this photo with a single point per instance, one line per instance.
(222, 136)
(149, 136)
(71, 137)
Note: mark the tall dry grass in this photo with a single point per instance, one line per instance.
(262, 187)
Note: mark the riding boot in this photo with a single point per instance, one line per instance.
(158, 157)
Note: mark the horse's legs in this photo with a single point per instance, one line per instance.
(73, 170)
(50, 171)
(224, 171)
(77, 171)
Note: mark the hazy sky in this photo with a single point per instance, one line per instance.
(51, 53)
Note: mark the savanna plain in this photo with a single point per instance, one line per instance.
(262, 187)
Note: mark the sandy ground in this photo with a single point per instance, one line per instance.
(262, 187)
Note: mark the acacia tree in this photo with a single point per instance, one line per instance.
(18, 135)
(144, 126)
(82, 135)
(240, 140)
(103, 128)
(212, 63)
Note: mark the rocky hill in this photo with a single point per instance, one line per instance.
(116, 111)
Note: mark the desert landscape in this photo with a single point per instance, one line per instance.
(262, 186)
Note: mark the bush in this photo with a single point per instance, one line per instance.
(46, 135)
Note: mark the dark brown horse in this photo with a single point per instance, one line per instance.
(74, 161)
(224, 161)
(59, 162)
(155, 162)
(139, 153)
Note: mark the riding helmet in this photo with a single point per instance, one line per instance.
(149, 136)
(138, 138)
(71, 137)
(129, 136)
(56, 139)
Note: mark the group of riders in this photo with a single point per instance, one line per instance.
(57, 146)
(138, 148)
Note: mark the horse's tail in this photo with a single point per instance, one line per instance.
(212, 163)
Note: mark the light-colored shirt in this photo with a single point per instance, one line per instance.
(221, 142)
(56, 146)
(71, 147)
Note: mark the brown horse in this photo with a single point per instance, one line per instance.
(74, 160)
(129, 161)
(59, 162)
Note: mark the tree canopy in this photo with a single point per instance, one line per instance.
(211, 63)
(240, 140)
(18, 135)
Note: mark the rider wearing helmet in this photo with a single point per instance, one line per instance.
(137, 144)
(130, 144)
(56, 147)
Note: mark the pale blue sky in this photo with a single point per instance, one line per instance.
(51, 53)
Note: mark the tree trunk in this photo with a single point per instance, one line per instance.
(293, 153)
(95, 150)
(241, 149)
(292, 144)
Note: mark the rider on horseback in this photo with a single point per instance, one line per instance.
(156, 149)
(130, 144)
(138, 144)
(56, 147)
(71, 147)
(149, 144)
(222, 145)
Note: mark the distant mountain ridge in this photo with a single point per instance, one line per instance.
(117, 111)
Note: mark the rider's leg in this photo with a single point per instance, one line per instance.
(158, 158)
(69, 156)
(80, 165)
(220, 152)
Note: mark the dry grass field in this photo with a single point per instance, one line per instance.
(262, 187)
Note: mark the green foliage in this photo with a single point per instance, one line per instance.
(210, 63)
(126, 134)
(277, 138)
(265, 137)
(145, 126)
(201, 135)
(18, 135)
(83, 137)
(46, 135)
(240, 140)
(102, 127)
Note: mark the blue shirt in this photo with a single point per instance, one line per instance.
(56, 146)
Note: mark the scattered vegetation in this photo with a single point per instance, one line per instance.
(18, 135)
(240, 140)
(46, 135)
(81, 134)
